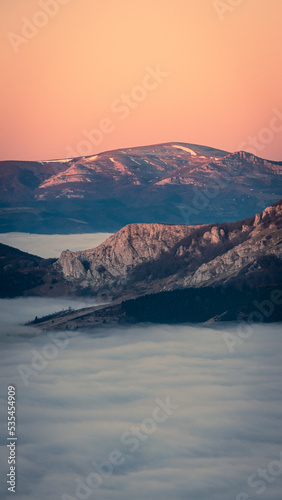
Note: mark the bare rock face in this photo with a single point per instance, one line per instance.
(71, 267)
(263, 238)
(160, 256)
(112, 261)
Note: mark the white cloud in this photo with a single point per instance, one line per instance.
(51, 245)
(74, 412)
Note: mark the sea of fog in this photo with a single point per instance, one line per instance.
(51, 245)
(149, 412)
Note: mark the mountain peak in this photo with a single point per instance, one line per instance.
(172, 182)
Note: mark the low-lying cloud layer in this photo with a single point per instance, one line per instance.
(51, 245)
(87, 401)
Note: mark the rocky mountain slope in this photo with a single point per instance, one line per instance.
(154, 257)
(222, 272)
(150, 258)
(173, 183)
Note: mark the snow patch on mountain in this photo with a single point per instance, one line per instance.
(74, 173)
(90, 158)
(65, 160)
(185, 149)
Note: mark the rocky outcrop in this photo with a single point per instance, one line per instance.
(149, 258)
(159, 256)
(264, 238)
(111, 262)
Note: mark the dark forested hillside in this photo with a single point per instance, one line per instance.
(201, 304)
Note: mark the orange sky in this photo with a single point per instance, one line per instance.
(89, 65)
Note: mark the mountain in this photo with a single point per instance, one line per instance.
(150, 258)
(155, 257)
(175, 274)
(24, 274)
(175, 183)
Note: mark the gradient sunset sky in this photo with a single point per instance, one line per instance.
(69, 70)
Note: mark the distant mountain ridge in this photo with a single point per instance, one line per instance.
(167, 183)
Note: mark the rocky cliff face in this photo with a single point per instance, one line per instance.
(149, 258)
(111, 262)
(263, 239)
(144, 257)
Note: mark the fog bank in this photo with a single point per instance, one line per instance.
(85, 398)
